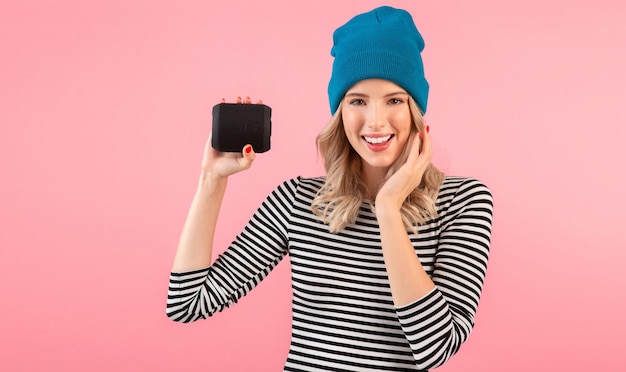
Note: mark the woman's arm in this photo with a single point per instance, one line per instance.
(255, 252)
(407, 278)
(437, 315)
(196, 241)
(437, 324)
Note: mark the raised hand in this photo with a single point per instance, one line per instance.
(220, 164)
(409, 176)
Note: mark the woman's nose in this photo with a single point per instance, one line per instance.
(376, 118)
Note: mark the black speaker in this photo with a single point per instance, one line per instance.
(238, 124)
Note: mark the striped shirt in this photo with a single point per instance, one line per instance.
(343, 316)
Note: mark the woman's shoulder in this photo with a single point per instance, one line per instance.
(299, 184)
(306, 181)
(459, 182)
(467, 202)
(463, 189)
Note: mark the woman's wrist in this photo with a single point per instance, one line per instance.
(212, 180)
(386, 210)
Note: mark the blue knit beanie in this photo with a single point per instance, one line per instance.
(382, 43)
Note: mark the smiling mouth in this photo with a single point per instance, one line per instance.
(377, 140)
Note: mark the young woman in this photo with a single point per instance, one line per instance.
(388, 256)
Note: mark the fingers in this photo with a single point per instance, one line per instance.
(421, 151)
(426, 148)
(207, 155)
(417, 149)
(417, 157)
(208, 146)
(246, 100)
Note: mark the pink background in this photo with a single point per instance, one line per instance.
(105, 108)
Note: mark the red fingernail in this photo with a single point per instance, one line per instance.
(248, 149)
(428, 129)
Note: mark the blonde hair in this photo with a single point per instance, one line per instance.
(338, 201)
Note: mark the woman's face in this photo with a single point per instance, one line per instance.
(377, 122)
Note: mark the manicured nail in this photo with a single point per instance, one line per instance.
(428, 129)
(248, 149)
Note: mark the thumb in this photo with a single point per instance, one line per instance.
(248, 156)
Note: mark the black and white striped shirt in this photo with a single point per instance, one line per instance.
(344, 318)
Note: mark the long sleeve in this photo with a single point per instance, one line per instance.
(253, 254)
(343, 317)
(438, 323)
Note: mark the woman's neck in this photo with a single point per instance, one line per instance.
(372, 177)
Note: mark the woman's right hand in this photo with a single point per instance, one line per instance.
(223, 164)
(195, 246)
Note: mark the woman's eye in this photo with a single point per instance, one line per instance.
(396, 101)
(357, 102)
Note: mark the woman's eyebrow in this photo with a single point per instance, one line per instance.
(357, 94)
(395, 93)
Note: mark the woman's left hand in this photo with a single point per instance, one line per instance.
(409, 176)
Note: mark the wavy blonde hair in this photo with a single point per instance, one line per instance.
(338, 200)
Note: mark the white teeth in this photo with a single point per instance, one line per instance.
(375, 140)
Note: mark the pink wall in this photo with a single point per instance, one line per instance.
(105, 107)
